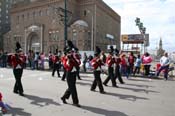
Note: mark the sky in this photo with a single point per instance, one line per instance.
(157, 16)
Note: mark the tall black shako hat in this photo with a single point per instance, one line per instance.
(111, 50)
(116, 51)
(70, 47)
(18, 47)
(98, 51)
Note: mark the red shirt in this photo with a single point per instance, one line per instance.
(123, 61)
(131, 59)
(70, 63)
(55, 59)
(117, 60)
(96, 64)
(110, 61)
(18, 60)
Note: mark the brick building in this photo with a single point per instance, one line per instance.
(39, 25)
(5, 5)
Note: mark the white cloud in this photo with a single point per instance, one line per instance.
(157, 16)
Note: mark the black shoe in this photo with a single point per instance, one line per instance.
(105, 84)
(21, 94)
(62, 79)
(79, 79)
(122, 83)
(77, 105)
(64, 100)
(102, 92)
(59, 76)
(93, 90)
(16, 92)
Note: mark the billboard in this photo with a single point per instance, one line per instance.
(135, 39)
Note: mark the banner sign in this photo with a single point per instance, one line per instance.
(136, 39)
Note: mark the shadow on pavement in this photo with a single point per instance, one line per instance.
(83, 83)
(126, 97)
(138, 79)
(139, 90)
(136, 85)
(87, 80)
(38, 101)
(103, 112)
(17, 112)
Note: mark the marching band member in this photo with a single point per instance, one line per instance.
(96, 63)
(117, 73)
(18, 60)
(70, 65)
(110, 63)
(56, 65)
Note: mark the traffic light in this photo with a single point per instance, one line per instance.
(144, 30)
(141, 26)
(137, 21)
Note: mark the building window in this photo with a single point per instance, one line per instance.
(85, 13)
(40, 13)
(18, 19)
(23, 17)
(74, 39)
(54, 35)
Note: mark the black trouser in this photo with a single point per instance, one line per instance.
(84, 66)
(131, 67)
(4, 63)
(64, 74)
(30, 63)
(97, 81)
(18, 84)
(110, 76)
(78, 72)
(117, 74)
(71, 81)
(136, 70)
(56, 68)
(147, 69)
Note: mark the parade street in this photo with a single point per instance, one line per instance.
(137, 97)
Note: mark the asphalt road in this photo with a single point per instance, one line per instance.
(137, 97)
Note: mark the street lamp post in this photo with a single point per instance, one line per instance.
(65, 22)
(142, 30)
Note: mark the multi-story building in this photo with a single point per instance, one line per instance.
(4, 18)
(39, 25)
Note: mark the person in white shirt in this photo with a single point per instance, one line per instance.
(165, 62)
